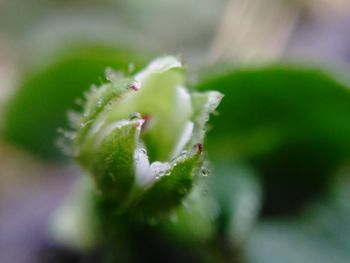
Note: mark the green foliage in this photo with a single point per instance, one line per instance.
(291, 124)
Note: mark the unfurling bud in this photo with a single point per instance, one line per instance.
(141, 138)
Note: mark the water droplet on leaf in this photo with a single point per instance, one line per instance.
(134, 115)
(205, 171)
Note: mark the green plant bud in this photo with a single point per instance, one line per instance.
(141, 137)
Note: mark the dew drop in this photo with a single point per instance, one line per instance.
(159, 168)
(143, 150)
(134, 116)
(205, 171)
(183, 153)
(158, 176)
(155, 164)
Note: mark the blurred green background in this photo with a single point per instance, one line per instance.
(278, 148)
